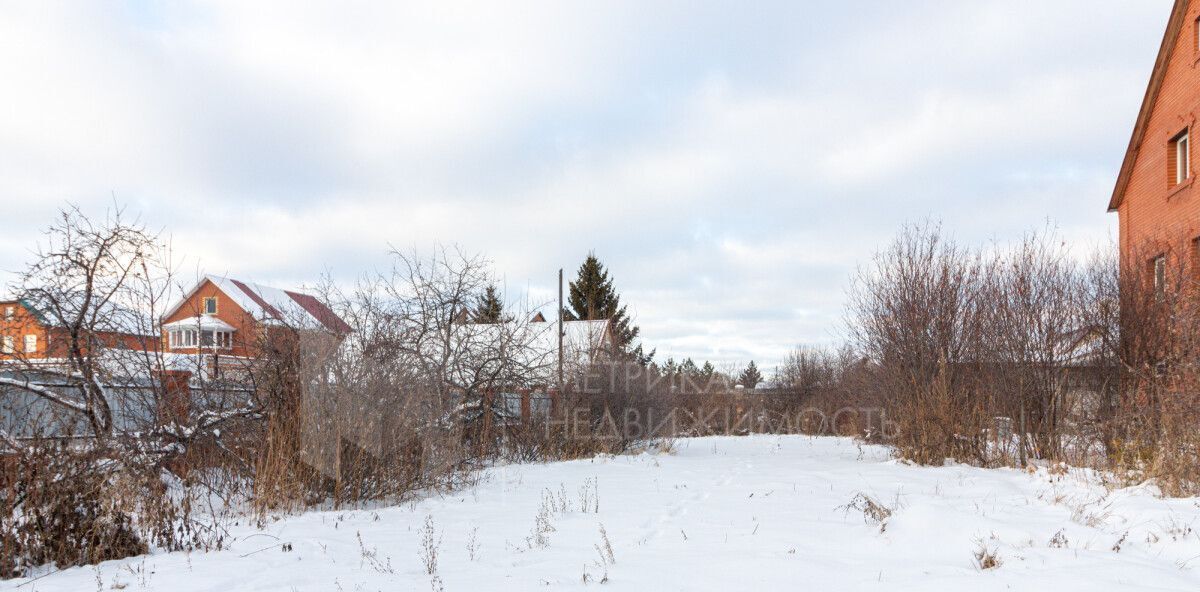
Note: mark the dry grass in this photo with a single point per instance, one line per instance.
(873, 512)
(987, 557)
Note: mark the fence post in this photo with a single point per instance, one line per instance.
(526, 409)
(175, 405)
(554, 401)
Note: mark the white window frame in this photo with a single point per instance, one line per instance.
(9, 312)
(219, 340)
(31, 344)
(7, 345)
(190, 338)
(1183, 164)
(213, 300)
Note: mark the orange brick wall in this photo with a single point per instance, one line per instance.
(52, 342)
(21, 324)
(1155, 217)
(245, 339)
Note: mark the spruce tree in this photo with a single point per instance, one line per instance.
(750, 376)
(488, 307)
(670, 368)
(688, 368)
(592, 297)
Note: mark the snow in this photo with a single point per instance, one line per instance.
(760, 512)
(283, 307)
(201, 322)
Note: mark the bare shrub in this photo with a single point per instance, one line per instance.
(1155, 420)
(987, 557)
(917, 314)
(431, 543)
(58, 512)
(89, 422)
(874, 513)
(1036, 324)
(371, 557)
(604, 548)
(990, 356)
(543, 523)
(1058, 541)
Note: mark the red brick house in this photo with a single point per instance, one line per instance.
(29, 334)
(218, 317)
(1155, 196)
(227, 317)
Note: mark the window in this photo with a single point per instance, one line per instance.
(180, 338)
(221, 339)
(1179, 159)
(210, 306)
(31, 344)
(8, 313)
(6, 345)
(1158, 267)
(183, 338)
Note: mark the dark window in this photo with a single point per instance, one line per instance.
(210, 306)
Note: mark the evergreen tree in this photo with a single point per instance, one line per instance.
(640, 356)
(670, 368)
(689, 368)
(707, 371)
(592, 297)
(488, 307)
(750, 376)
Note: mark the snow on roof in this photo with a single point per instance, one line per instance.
(268, 304)
(203, 322)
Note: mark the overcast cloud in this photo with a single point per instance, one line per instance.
(731, 163)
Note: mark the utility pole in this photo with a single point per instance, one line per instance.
(560, 331)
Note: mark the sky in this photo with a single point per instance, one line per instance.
(733, 164)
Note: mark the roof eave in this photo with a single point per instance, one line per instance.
(1170, 36)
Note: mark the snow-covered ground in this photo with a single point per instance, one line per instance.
(755, 513)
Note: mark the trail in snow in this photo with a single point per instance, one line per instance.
(760, 512)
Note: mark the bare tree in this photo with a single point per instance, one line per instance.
(1036, 320)
(82, 282)
(806, 371)
(83, 396)
(916, 313)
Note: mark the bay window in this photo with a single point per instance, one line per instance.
(186, 338)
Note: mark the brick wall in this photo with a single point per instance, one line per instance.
(1156, 215)
(245, 338)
